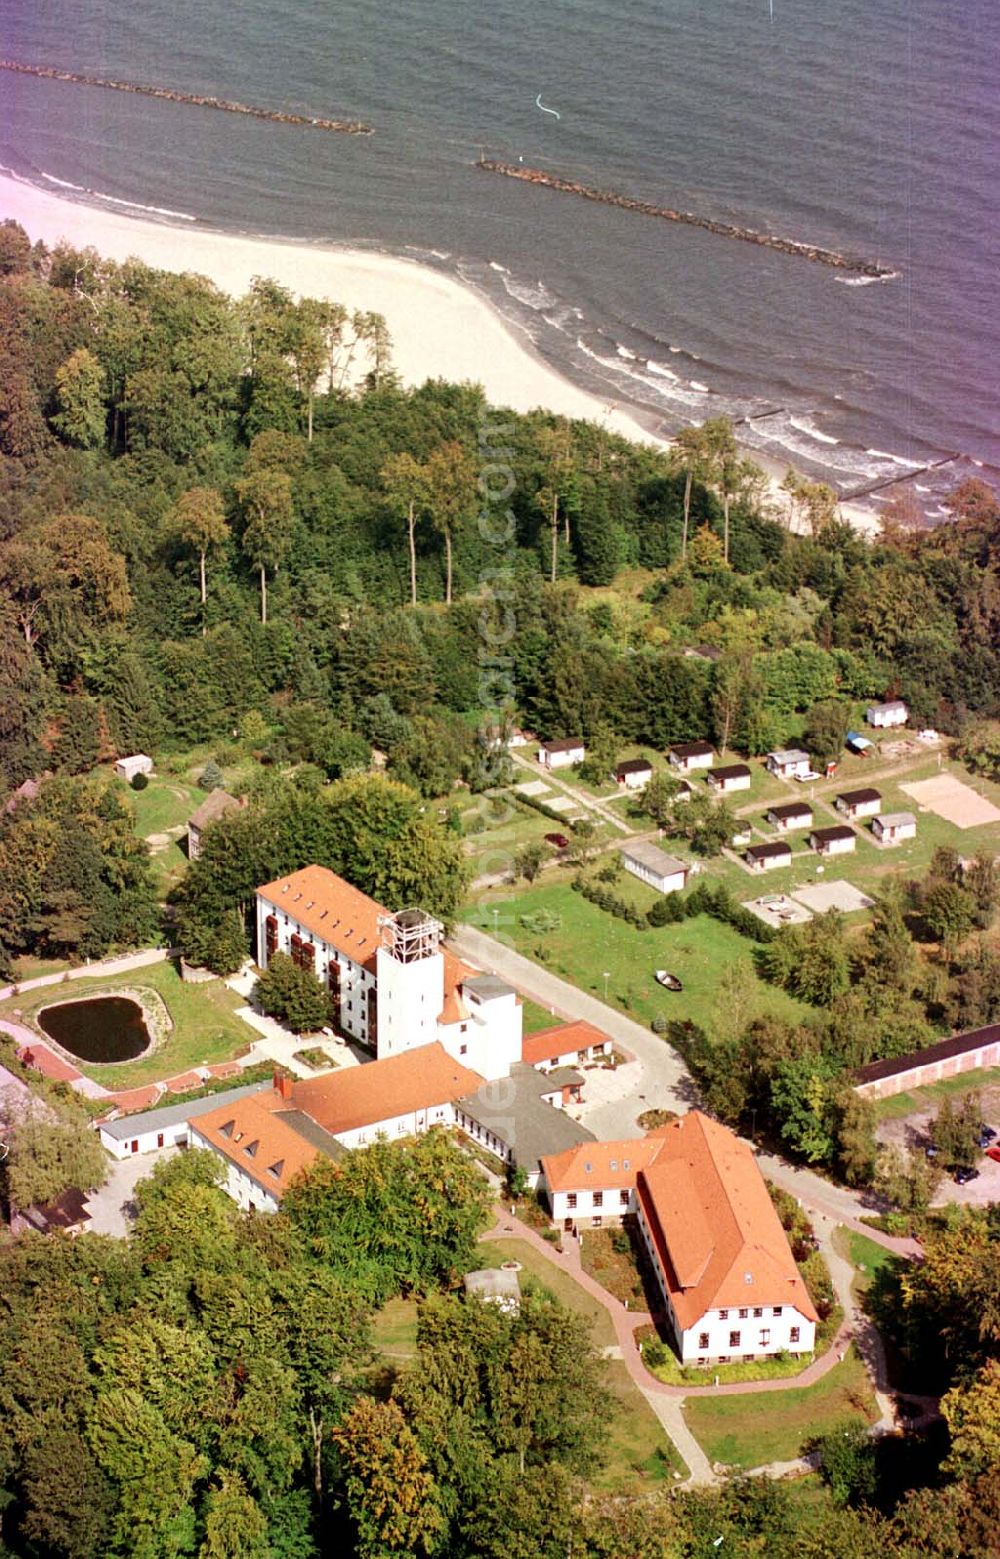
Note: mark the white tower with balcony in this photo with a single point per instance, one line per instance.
(410, 981)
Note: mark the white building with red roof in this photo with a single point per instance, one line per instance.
(722, 1261)
(568, 1044)
(593, 1186)
(393, 984)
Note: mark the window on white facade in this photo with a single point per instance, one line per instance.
(776, 1310)
(723, 1315)
(794, 1334)
(598, 1198)
(743, 1315)
(597, 1222)
(734, 1339)
(571, 1201)
(703, 1341)
(463, 1050)
(765, 1336)
(623, 1198)
(758, 1311)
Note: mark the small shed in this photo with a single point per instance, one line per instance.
(860, 745)
(788, 762)
(765, 857)
(884, 716)
(894, 827)
(128, 768)
(655, 867)
(732, 776)
(562, 754)
(634, 773)
(793, 814)
(838, 840)
(859, 803)
(686, 756)
(215, 805)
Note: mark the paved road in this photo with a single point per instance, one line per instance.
(664, 1079)
(102, 967)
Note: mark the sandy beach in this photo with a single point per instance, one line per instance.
(439, 328)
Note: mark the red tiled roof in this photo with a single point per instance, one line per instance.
(376, 1091)
(605, 1166)
(250, 1134)
(561, 1040)
(47, 1062)
(717, 1236)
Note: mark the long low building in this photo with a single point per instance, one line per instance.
(655, 867)
(968, 1052)
(168, 1125)
(265, 1144)
(722, 1261)
(568, 1044)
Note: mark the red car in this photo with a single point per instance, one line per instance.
(994, 1153)
(559, 840)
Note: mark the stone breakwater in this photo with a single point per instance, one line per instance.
(749, 235)
(192, 99)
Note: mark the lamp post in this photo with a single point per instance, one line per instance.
(496, 917)
(607, 976)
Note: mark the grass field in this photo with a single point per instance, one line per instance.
(394, 1329)
(589, 940)
(866, 1257)
(752, 1430)
(205, 1029)
(902, 1104)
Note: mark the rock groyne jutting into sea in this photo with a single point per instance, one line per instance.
(749, 235)
(193, 99)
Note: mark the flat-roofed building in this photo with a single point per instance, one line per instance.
(789, 762)
(655, 867)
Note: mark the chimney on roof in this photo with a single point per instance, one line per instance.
(282, 1083)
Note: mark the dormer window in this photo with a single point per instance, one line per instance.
(625, 1163)
(275, 1169)
(251, 1148)
(588, 1169)
(227, 1129)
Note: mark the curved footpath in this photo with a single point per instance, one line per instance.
(667, 1401)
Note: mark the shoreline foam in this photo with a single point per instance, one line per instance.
(439, 326)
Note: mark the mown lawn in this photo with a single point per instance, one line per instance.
(754, 1429)
(165, 803)
(866, 1257)
(205, 1029)
(637, 1449)
(394, 1329)
(588, 940)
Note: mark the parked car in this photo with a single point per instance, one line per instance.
(559, 840)
(963, 1176)
(993, 1153)
(930, 1151)
(986, 1136)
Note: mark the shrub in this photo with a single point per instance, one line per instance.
(660, 1024)
(211, 777)
(139, 781)
(654, 1352)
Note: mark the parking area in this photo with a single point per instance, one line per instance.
(914, 1131)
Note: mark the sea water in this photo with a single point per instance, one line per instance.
(868, 128)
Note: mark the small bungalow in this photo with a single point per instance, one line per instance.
(742, 836)
(894, 827)
(686, 756)
(885, 716)
(568, 1044)
(67, 1214)
(765, 857)
(634, 773)
(655, 867)
(128, 768)
(562, 754)
(789, 762)
(732, 776)
(215, 805)
(793, 814)
(858, 803)
(838, 840)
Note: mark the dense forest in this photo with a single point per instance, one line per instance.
(211, 1387)
(217, 512)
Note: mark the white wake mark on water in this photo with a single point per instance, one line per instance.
(811, 432)
(541, 105)
(133, 205)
